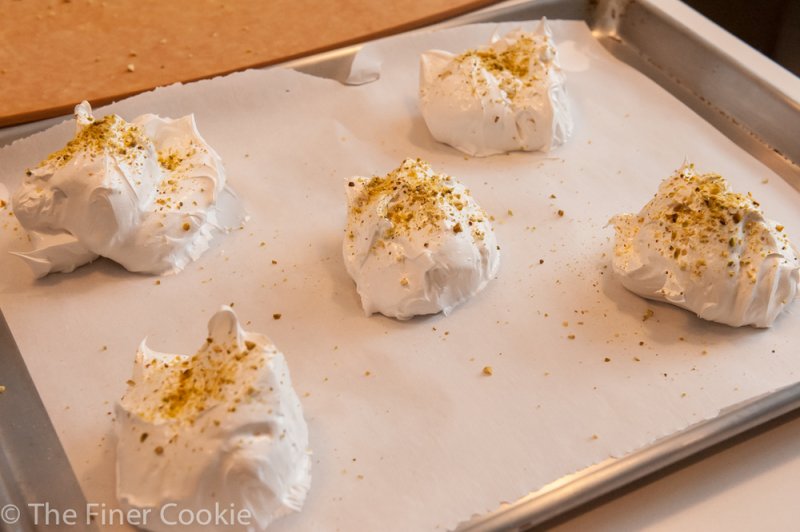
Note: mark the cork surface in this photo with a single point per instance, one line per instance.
(55, 53)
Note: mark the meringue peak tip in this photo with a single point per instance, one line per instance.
(543, 26)
(225, 313)
(228, 309)
(225, 324)
(84, 106)
(83, 113)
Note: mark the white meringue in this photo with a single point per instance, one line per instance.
(503, 97)
(704, 248)
(221, 428)
(416, 242)
(143, 194)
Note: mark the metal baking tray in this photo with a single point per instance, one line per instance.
(655, 40)
(721, 90)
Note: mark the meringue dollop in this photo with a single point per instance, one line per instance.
(416, 242)
(143, 194)
(705, 248)
(503, 97)
(222, 427)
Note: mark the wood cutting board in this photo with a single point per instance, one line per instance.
(55, 53)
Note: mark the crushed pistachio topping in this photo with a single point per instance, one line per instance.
(515, 65)
(111, 135)
(128, 143)
(219, 373)
(414, 198)
(702, 219)
(177, 167)
(172, 159)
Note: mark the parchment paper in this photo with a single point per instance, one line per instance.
(407, 433)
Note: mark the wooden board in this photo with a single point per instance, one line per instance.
(55, 53)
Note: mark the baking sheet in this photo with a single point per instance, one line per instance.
(423, 440)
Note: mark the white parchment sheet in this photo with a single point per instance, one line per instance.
(407, 433)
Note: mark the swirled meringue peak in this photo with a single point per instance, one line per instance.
(506, 96)
(144, 194)
(702, 247)
(222, 428)
(416, 242)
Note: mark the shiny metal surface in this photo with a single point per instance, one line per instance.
(33, 467)
(582, 487)
(728, 94)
